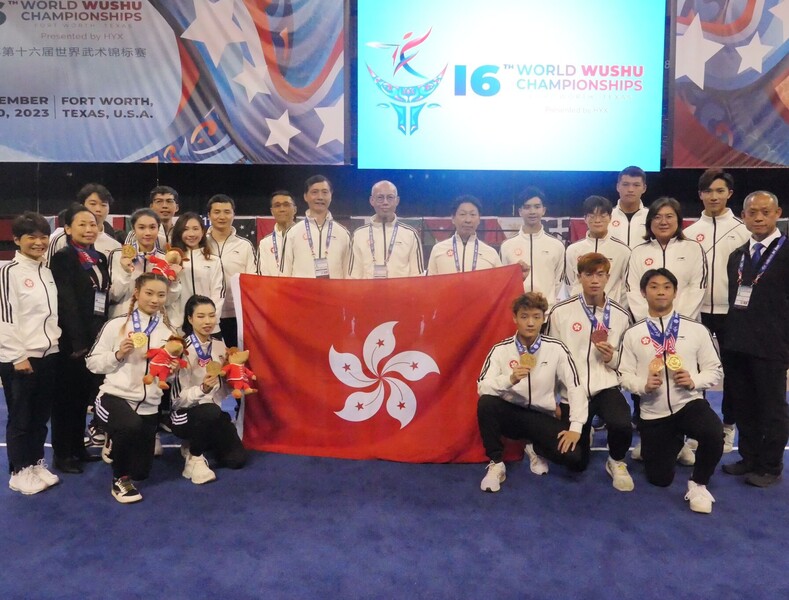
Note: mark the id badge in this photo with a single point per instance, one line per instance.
(743, 296)
(322, 268)
(99, 303)
(379, 272)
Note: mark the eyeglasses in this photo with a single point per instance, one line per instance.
(390, 198)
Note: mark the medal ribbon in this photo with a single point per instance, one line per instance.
(138, 326)
(606, 324)
(391, 243)
(764, 266)
(309, 237)
(532, 349)
(455, 253)
(664, 342)
(203, 358)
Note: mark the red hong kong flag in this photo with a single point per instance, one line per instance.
(375, 368)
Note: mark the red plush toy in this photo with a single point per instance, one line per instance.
(236, 374)
(170, 265)
(161, 360)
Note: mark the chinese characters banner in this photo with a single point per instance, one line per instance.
(228, 81)
(731, 89)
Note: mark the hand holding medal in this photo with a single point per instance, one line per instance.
(128, 254)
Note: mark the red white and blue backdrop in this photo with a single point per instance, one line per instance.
(731, 83)
(197, 81)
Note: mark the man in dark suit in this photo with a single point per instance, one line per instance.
(756, 349)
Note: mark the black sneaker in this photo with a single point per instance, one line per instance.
(123, 490)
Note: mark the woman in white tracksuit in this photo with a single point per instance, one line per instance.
(197, 415)
(126, 408)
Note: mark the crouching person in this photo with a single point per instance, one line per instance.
(517, 389)
(197, 415)
(669, 360)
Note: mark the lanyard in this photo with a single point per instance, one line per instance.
(138, 326)
(664, 342)
(309, 237)
(391, 242)
(606, 324)
(203, 358)
(284, 233)
(532, 349)
(455, 254)
(765, 264)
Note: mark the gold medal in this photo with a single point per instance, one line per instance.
(139, 339)
(674, 362)
(213, 368)
(528, 360)
(656, 365)
(128, 251)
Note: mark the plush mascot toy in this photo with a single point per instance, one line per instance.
(161, 359)
(170, 265)
(236, 374)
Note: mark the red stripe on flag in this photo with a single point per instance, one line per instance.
(401, 408)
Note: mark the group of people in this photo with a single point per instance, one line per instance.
(106, 304)
(645, 298)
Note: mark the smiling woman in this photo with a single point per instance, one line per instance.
(29, 336)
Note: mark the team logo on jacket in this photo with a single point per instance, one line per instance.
(513, 364)
(700, 237)
(615, 223)
(518, 251)
(304, 236)
(450, 253)
(380, 383)
(646, 340)
(576, 326)
(29, 283)
(648, 262)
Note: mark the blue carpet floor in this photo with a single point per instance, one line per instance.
(302, 527)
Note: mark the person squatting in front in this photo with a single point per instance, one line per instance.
(127, 408)
(591, 325)
(517, 389)
(669, 359)
(198, 392)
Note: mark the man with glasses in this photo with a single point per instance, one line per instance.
(271, 249)
(386, 247)
(164, 202)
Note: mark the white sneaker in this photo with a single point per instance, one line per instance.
(635, 453)
(692, 444)
(617, 469)
(686, 456)
(493, 479)
(124, 491)
(26, 482)
(196, 468)
(728, 438)
(106, 451)
(44, 474)
(537, 464)
(93, 438)
(157, 446)
(700, 498)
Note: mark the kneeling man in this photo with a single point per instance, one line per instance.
(517, 389)
(669, 360)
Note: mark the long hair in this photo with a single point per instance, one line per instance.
(178, 232)
(138, 283)
(189, 310)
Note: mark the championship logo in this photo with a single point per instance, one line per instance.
(408, 89)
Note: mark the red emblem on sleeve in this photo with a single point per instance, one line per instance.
(29, 283)
(700, 238)
(576, 326)
(646, 340)
(648, 262)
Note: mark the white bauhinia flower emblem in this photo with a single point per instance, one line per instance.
(400, 400)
